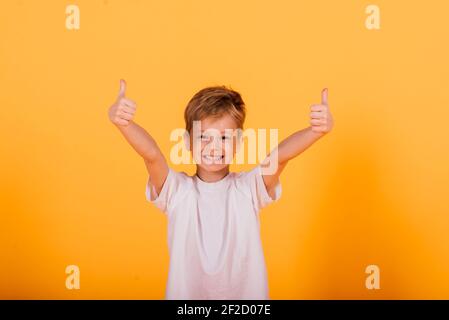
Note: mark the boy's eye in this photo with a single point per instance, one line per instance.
(207, 138)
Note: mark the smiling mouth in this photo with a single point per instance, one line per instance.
(213, 158)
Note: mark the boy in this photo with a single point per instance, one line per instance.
(213, 216)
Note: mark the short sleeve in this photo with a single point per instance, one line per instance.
(172, 189)
(253, 181)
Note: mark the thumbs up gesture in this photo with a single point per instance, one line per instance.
(320, 116)
(123, 109)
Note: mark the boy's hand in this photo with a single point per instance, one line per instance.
(320, 116)
(123, 110)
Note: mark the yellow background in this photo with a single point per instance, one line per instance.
(374, 191)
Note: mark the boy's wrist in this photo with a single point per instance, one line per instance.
(317, 134)
(124, 127)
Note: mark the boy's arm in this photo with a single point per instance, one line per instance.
(121, 114)
(321, 123)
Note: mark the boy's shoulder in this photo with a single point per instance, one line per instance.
(181, 176)
(245, 179)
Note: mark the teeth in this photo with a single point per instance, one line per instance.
(212, 158)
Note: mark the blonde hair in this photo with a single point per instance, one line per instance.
(215, 102)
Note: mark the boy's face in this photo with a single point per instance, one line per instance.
(214, 145)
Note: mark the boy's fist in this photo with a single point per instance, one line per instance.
(320, 116)
(123, 110)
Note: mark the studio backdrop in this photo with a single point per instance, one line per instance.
(364, 214)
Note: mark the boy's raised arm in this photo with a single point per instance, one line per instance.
(321, 122)
(121, 114)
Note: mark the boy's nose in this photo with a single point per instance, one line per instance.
(217, 152)
(216, 144)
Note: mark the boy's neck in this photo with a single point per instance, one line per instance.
(211, 176)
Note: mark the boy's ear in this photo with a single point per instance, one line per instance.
(187, 140)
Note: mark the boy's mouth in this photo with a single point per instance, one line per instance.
(210, 158)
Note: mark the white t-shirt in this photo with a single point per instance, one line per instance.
(214, 235)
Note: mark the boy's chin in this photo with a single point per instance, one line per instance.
(213, 167)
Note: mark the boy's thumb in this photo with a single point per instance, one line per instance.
(122, 90)
(324, 96)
